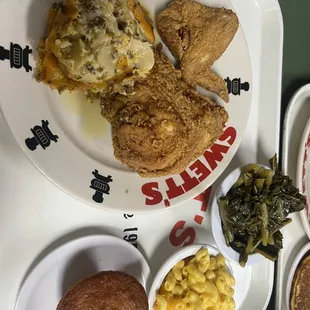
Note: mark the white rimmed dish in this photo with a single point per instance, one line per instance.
(82, 162)
(172, 260)
(216, 223)
(293, 269)
(52, 277)
(303, 175)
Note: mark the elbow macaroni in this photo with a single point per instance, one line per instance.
(201, 283)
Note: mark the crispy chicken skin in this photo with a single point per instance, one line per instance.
(164, 125)
(197, 36)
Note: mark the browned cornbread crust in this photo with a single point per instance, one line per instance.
(107, 290)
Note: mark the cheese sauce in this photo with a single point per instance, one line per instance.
(96, 43)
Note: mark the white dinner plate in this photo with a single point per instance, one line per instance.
(303, 175)
(291, 274)
(69, 141)
(52, 277)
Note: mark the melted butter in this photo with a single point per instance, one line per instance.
(92, 124)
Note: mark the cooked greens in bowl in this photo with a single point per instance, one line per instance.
(255, 209)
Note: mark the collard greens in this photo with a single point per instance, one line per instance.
(256, 208)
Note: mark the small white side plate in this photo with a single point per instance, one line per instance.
(52, 277)
(228, 252)
(291, 274)
(303, 175)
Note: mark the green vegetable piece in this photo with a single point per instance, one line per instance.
(256, 208)
(248, 179)
(268, 175)
(271, 240)
(250, 168)
(258, 170)
(249, 248)
(229, 237)
(273, 162)
(259, 183)
(239, 182)
(267, 255)
(243, 258)
(264, 223)
(255, 190)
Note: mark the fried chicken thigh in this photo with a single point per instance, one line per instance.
(164, 125)
(197, 36)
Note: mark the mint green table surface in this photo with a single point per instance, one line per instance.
(296, 61)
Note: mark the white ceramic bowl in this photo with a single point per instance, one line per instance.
(228, 252)
(172, 260)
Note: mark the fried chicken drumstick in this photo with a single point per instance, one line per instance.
(197, 36)
(164, 125)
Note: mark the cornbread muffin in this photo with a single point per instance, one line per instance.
(95, 45)
(107, 290)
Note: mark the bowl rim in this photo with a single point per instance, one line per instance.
(173, 259)
(229, 253)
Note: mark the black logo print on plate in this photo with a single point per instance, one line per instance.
(235, 86)
(42, 135)
(101, 185)
(17, 56)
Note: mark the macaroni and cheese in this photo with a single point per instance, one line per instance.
(201, 283)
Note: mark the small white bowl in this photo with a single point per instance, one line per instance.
(216, 223)
(172, 260)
